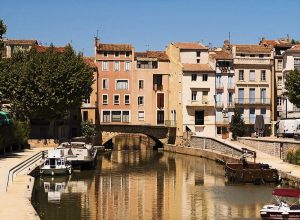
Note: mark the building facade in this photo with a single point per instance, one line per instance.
(253, 69)
(291, 61)
(150, 89)
(114, 63)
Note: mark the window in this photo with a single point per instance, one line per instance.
(127, 65)
(263, 95)
(141, 115)
(106, 116)
(204, 77)
(204, 97)
(198, 53)
(198, 60)
(141, 100)
(125, 116)
(116, 116)
(160, 118)
(194, 77)
(104, 83)
(262, 75)
(157, 82)
(252, 115)
(117, 54)
(147, 64)
(104, 65)
(252, 75)
(263, 112)
(252, 95)
(297, 63)
(241, 75)
(127, 54)
(117, 65)
(121, 84)
(194, 95)
(160, 100)
(141, 84)
(127, 99)
(279, 65)
(261, 55)
(105, 54)
(87, 100)
(104, 99)
(85, 115)
(242, 55)
(252, 55)
(116, 99)
(219, 83)
(279, 101)
(279, 81)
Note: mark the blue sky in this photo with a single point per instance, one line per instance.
(154, 23)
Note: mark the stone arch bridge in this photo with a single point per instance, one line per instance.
(160, 134)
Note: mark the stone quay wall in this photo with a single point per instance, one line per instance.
(276, 148)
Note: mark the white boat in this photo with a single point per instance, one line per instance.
(283, 209)
(79, 153)
(56, 164)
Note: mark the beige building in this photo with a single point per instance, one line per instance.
(291, 61)
(150, 88)
(193, 86)
(13, 45)
(253, 67)
(222, 62)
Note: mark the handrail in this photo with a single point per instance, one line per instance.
(14, 169)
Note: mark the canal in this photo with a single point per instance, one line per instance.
(146, 184)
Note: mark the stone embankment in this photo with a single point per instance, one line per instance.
(16, 185)
(226, 151)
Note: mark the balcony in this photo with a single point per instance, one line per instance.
(230, 105)
(251, 120)
(230, 86)
(252, 101)
(219, 86)
(252, 61)
(170, 123)
(200, 103)
(219, 104)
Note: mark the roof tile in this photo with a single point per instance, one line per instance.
(197, 67)
(114, 47)
(159, 55)
(190, 46)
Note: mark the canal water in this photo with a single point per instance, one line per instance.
(146, 184)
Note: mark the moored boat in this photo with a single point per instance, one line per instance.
(79, 153)
(250, 172)
(286, 205)
(56, 164)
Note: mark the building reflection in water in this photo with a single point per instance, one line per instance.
(147, 184)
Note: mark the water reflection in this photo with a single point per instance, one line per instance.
(149, 185)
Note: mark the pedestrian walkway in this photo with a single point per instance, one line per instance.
(261, 157)
(14, 202)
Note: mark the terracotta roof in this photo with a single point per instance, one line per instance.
(190, 46)
(42, 49)
(114, 47)
(221, 55)
(252, 48)
(197, 67)
(90, 61)
(26, 42)
(274, 43)
(295, 48)
(159, 55)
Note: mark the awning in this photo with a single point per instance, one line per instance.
(286, 192)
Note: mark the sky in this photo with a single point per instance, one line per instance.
(149, 24)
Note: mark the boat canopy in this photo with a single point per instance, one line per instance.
(287, 192)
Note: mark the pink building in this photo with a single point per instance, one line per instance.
(114, 62)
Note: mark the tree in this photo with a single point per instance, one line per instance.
(45, 84)
(292, 86)
(237, 125)
(88, 130)
(2, 32)
(293, 41)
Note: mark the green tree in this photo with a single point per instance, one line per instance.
(88, 129)
(2, 32)
(293, 41)
(292, 86)
(237, 125)
(45, 84)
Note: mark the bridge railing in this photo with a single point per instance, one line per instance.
(170, 123)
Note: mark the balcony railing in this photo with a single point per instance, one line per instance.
(252, 101)
(252, 61)
(219, 86)
(170, 123)
(219, 104)
(230, 86)
(200, 103)
(230, 105)
(251, 120)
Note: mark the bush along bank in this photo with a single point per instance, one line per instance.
(293, 157)
(14, 136)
